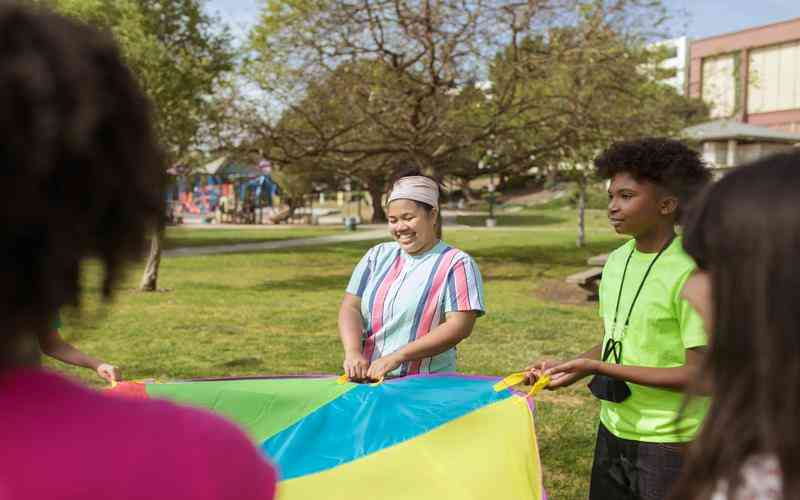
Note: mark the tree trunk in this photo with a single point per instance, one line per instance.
(469, 195)
(581, 214)
(552, 177)
(378, 214)
(149, 281)
(291, 202)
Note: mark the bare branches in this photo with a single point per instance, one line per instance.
(366, 85)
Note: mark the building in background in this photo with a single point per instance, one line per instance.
(674, 66)
(725, 144)
(750, 76)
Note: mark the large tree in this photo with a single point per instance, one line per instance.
(181, 57)
(605, 93)
(372, 84)
(331, 130)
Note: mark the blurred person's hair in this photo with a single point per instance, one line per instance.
(745, 231)
(81, 170)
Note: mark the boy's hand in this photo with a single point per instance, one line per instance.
(568, 373)
(537, 369)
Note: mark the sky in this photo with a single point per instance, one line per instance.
(699, 19)
(715, 17)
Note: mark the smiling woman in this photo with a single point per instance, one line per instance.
(411, 301)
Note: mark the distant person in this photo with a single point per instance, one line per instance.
(83, 178)
(654, 341)
(411, 301)
(745, 237)
(53, 344)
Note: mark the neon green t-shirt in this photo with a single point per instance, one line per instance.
(662, 326)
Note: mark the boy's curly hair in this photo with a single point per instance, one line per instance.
(80, 167)
(667, 162)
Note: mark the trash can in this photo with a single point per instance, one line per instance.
(350, 223)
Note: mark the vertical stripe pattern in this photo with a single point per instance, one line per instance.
(405, 297)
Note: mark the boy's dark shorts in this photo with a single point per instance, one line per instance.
(633, 470)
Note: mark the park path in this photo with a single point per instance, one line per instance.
(369, 234)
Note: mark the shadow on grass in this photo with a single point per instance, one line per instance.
(510, 220)
(240, 363)
(303, 283)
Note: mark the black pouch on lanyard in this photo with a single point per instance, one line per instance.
(607, 388)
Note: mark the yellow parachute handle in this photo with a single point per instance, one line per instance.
(540, 384)
(518, 378)
(510, 381)
(343, 379)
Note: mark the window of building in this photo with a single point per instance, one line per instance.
(774, 78)
(719, 84)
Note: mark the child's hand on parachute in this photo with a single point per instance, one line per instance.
(566, 374)
(536, 370)
(108, 372)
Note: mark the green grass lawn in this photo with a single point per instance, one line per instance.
(189, 236)
(275, 313)
(560, 218)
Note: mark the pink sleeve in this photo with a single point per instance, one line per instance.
(233, 468)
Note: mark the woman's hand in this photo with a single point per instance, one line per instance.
(380, 367)
(109, 372)
(355, 365)
(568, 373)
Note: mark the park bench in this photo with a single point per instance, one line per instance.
(589, 279)
(598, 260)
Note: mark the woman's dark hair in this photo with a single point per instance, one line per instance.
(668, 163)
(745, 232)
(81, 170)
(415, 172)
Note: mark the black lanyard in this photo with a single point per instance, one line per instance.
(615, 346)
(641, 285)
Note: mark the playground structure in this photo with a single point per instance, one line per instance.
(225, 192)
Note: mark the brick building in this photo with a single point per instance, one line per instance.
(750, 76)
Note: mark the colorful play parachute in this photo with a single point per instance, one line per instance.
(425, 437)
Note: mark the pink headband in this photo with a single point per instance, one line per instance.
(417, 188)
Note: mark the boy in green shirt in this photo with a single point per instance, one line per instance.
(653, 341)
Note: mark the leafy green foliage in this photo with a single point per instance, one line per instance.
(179, 54)
(456, 89)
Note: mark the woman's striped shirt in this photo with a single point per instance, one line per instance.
(404, 297)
